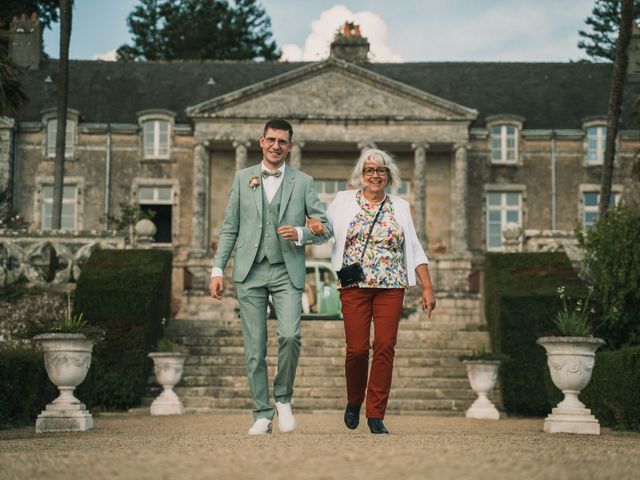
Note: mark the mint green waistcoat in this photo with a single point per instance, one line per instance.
(269, 241)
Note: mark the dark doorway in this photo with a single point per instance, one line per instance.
(162, 221)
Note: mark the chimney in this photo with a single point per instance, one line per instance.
(24, 41)
(634, 50)
(350, 45)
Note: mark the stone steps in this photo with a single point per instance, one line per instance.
(428, 377)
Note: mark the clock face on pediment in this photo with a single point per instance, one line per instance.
(332, 93)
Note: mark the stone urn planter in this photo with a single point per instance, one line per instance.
(482, 376)
(168, 367)
(570, 361)
(67, 358)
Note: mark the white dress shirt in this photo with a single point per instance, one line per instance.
(271, 183)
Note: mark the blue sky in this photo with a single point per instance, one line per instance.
(408, 30)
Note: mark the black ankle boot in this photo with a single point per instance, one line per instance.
(352, 416)
(376, 425)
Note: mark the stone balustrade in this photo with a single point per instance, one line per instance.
(50, 258)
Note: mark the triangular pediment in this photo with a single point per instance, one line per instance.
(331, 89)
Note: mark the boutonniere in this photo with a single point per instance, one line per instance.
(254, 182)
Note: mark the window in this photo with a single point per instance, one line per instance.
(52, 128)
(401, 190)
(590, 201)
(327, 189)
(504, 144)
(69, 210)
(158, 199)
(156, 138)
(502, 208)
(596, 140)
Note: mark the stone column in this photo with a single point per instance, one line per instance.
(198, 216)
(420, 188)
(6, 138)
(241, 147)
(295, 157)
(459, 193)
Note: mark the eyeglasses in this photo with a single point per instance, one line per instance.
(382, 172)
(281, 141)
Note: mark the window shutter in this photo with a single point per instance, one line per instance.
(163, 138)
(51, 137)
(69, 138)
(148, 137)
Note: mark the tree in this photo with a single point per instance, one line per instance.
(12, 93)
(615, 104)
(600, 42)
(612, 256)
(61, 115)
(198, 30)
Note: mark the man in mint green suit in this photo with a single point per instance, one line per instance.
(265, 221)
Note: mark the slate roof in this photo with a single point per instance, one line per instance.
(547, 95)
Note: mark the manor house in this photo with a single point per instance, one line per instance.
(479, 144)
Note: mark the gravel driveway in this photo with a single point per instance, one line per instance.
(215, 446)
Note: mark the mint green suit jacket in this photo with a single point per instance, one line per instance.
(243, 222)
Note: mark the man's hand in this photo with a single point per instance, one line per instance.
(216, 287)
(315, 226)
(428, 301)
(287, 232)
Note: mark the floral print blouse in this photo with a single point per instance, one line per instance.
(383, 262)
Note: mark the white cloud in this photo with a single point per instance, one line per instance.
(109, 56)
(324, 29)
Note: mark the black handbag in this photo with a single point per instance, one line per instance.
(351, 274)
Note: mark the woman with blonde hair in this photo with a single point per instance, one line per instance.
(377, 255)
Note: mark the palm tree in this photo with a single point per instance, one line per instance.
(12, 92)
(615, 104)
(61, 117)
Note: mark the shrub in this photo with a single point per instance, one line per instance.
(613, 265)
(612, 394)
(126, 292)
(520, 304)
(25, 388)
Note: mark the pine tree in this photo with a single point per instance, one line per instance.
(600, 42)
(199, 29)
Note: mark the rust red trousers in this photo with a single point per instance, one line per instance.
(361, 306)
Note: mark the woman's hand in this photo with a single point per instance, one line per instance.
(428, 300)
(428, 297)
(315, 226)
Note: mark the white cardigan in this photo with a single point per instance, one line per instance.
(345, 207)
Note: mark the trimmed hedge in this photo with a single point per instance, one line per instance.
(612, 395)
(128, 293)
(520, 301)
(25, 388)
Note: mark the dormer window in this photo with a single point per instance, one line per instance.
(504, 134)
(504, 144)
(52, 131)
(156, 134)
(156, 139)
(596, 141)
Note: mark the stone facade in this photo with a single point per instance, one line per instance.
(441, 122)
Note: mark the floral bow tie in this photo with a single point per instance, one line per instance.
(267, 173)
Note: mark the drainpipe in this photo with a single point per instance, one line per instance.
(107, 180)
(553, 179)
(13, 178)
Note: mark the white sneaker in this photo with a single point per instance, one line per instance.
(286, 420)
(261, 427)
